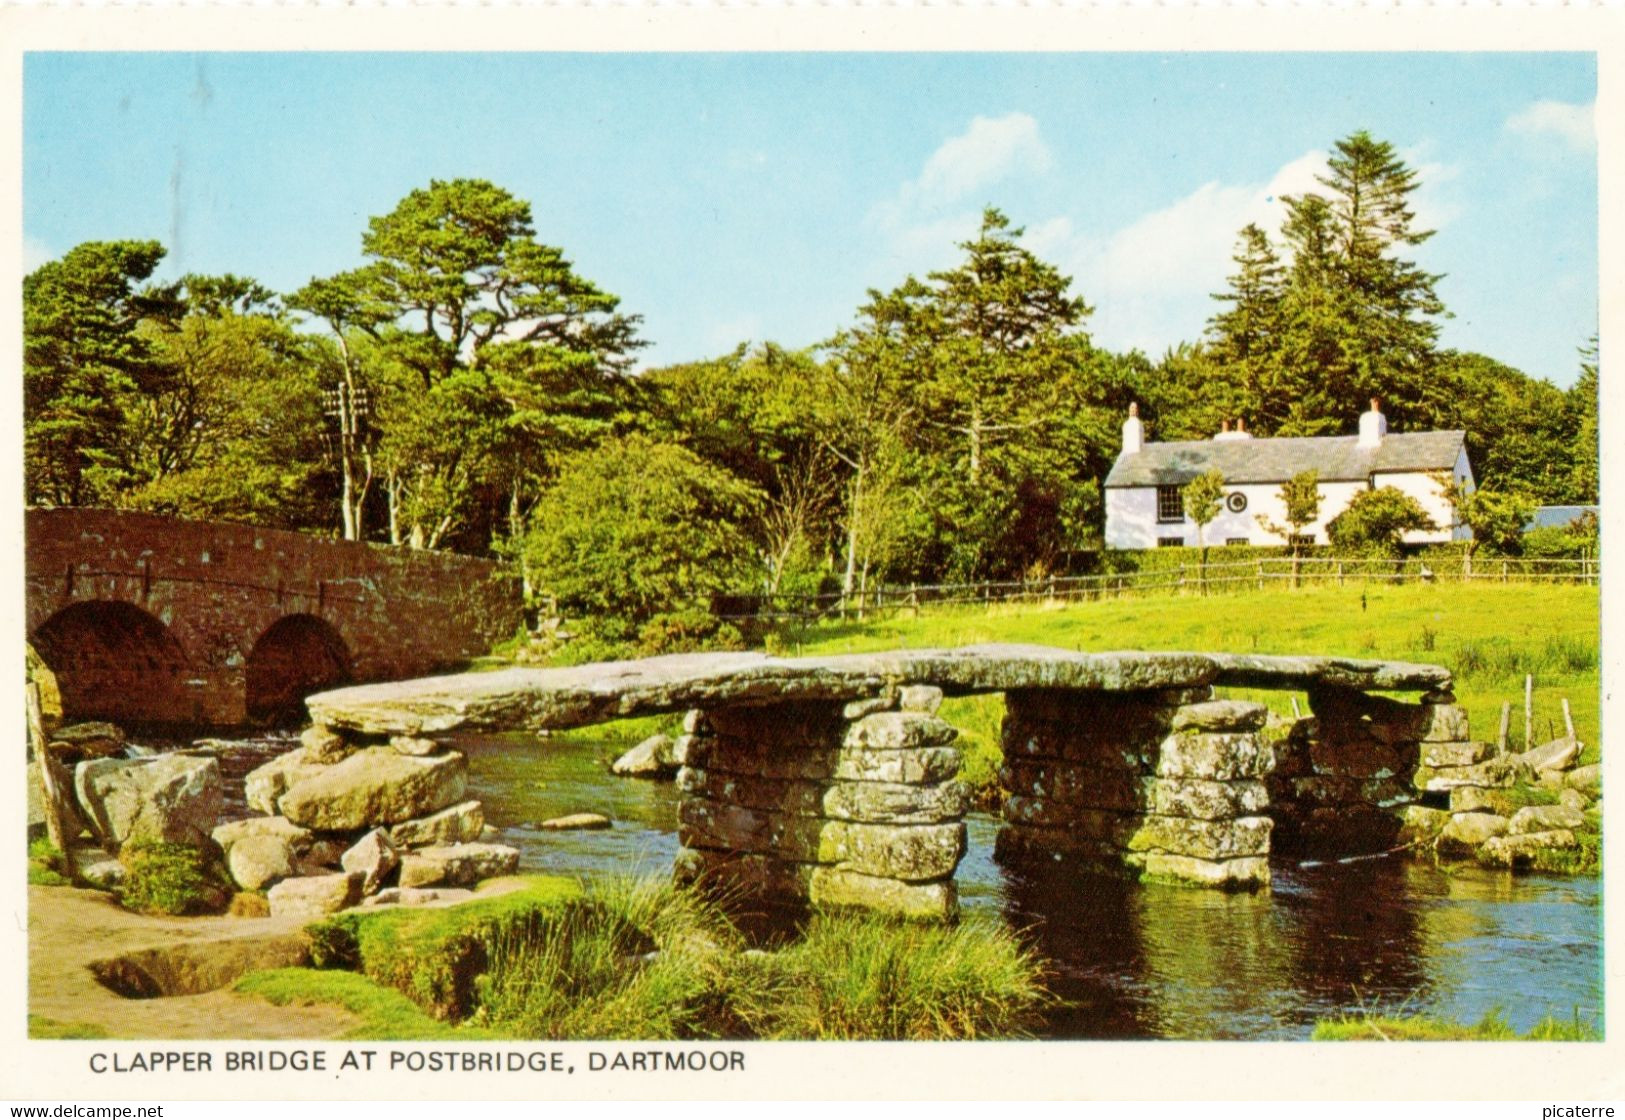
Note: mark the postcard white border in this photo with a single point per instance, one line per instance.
(58, 1070)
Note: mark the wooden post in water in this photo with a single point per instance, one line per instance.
(1568, 719)
(1528, 710)
(1506, 727)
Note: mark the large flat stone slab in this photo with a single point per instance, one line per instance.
(586, 694)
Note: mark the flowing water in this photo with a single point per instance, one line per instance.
(1135, 961)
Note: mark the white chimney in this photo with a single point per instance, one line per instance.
(1373, 426)
(1133, 431)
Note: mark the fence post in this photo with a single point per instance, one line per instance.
(1340, 573)
(1503, 571)
(1528, 710)
(1261, 575)
(1506, 727)
(1181, 584)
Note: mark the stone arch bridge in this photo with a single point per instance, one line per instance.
(148, 619)
(834, 780)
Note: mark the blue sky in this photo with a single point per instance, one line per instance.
(728, 197)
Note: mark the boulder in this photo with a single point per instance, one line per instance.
(324, 745)
(326, 852)
(651, 758)
(868, 706)
(170, 797)
(262, 850)
(457, 865)
(1512, 851)
(1573, 799)
(680, 749)
(1454, 753)
(1586, 779)
(576, 821)
(926, 698)
(1208, 840)
(1246, 873)
(1466, 831)
(408, 744)
(98, 867)
(1472, 799)
(255, 862)
(373, 857)
(1422, 823)
(1221, 715)
(894, 731)
(265, 785)
(1545, 818)
(376, 786)
(417, 896)
(314, 896)
(1496, 773)
(1559, 754)
(1214, 757)
(453, 825)
(90, 740)
(695, 723)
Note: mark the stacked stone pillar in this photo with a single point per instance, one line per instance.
(832, 804)
(1346, 776)
(1166, 784)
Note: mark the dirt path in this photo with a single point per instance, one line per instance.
(70, 928)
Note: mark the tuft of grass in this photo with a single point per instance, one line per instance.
(859, 977)
(635, 959)
(165, 878)
(1493, 1027)
(47, 866)
(432, 956)
(40, 1026)
(384, 1012)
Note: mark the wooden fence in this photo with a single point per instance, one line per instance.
(1215, 578)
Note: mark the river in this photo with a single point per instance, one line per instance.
(1130, 961)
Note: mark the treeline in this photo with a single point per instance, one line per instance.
(464, 387)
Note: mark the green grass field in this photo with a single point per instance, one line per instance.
(1489, 636)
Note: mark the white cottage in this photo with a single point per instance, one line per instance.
(1143, 491)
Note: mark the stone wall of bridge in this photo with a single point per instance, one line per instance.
(153, 619)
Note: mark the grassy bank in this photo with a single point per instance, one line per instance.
(645, 960)
(1425, 1028)
(1489, 636)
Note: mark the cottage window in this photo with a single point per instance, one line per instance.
(1169, 505)
(1303, 540)
(1233, 542)
(1170, 542)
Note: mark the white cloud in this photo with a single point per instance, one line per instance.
(1573, 124)
(921, 224)
(1151, 280)
(990, 150)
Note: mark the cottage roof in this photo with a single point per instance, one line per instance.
(1559, 517)
(1336, 458)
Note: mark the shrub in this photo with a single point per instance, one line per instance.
(47, 866)
(165, 878)
(860, 977)
(686, 631)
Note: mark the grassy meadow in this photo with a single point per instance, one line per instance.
(1489, 636)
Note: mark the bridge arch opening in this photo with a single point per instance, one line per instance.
(295, 656)
(114, 661)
